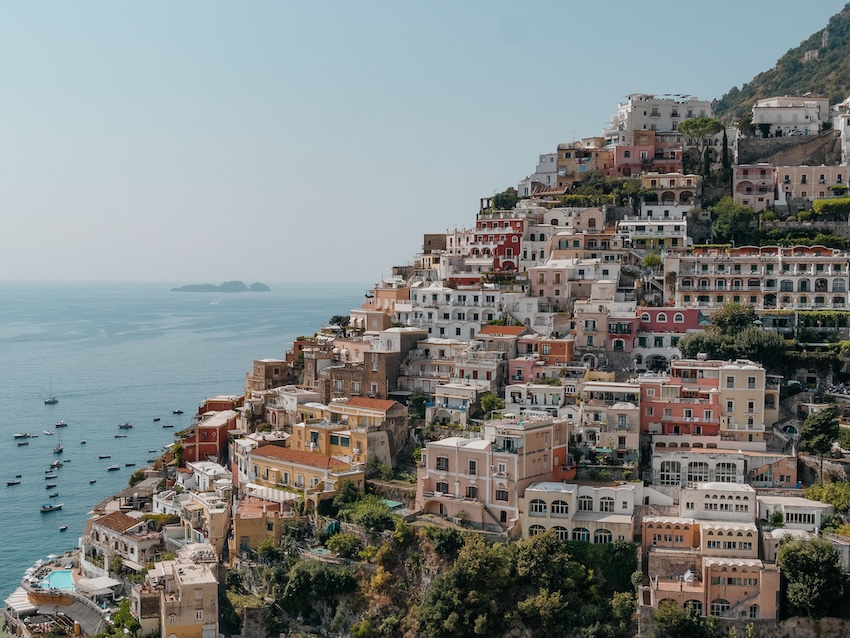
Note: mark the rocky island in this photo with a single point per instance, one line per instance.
(227, 286)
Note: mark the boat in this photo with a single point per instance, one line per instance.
(129, 465)
(151, 451)
(53, 495)
(58, 448)
(47, 477)
(125, 426)
(83, 442)
(155, 419)
(20, 443)
(153, 460)
(178, 411)
(60, 424)
(21, 435)
(50, 400)
(17, 476)
(92, 481)
(56, 463)
(15, 482)
(50, 507)
(48, 470)
(50, 486)
(168, 425)
(105, 456)
(48, 432)
(112, 468)
(120, 436)
(62, 528)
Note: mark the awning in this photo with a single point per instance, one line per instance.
(100, 586)
(19, 602)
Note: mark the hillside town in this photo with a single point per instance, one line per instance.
(551, 366)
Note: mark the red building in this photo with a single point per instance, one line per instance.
(208, 438)
(499, 235)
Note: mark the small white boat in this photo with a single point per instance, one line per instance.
(21, 435)
(60, 424)
(112, 468)
(48, 432)
(62, 528)
(50, 507)
(58, 449)
(105, 456)
(125, 426)
(15, 482)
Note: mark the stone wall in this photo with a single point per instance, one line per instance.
(812, 150)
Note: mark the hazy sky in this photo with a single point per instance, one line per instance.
(281, 141)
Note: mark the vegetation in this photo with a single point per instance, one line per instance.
(827, 75)
(819, 432)
(506, 200)
(136, 477)
(700, 129)
(836, 494)
(815, 580)
(491, 402)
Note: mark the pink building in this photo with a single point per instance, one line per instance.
(482, 480)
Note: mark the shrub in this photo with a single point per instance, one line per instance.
(347, 545)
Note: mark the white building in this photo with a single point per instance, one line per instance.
(641, 111)
(791, 115)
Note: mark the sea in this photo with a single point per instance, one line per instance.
(113, 353)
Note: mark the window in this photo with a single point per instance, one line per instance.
(751, 383)
(560, 508)
(442, 464)
(671, 473)
(602, 536)
(473, 467)
(534, 530)
(585, 504)
(719, 607)
(471, 492)
(442, 486)
(537, 507)
(501, 495)
(678, 318)
(661, 317)
(606, 504)
(581, 534)
(730, 382)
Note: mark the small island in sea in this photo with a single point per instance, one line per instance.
(227, 286)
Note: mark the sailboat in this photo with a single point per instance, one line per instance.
(59, 448)
(51, 400)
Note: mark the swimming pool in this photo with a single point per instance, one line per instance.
(59, 579)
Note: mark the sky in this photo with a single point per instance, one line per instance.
(195, 142)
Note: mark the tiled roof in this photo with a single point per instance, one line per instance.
(117, 522)
(372, 404)
(502, 330)
(300, 457)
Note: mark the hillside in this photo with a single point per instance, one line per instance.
(818, 66)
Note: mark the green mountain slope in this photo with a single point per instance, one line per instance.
(827, 75)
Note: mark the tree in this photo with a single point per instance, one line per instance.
(836, 494)
(652, 260)
(700, 129)
(762, 346)
(347, 545)
(732, 222)
(672, 621)
(123, 619)
(178, 454)
(733, 317)
(347, 493)
(342, 321)
(744, 124)
(506, 200)
(815, 579)
(711, 342)
(819, 432)
(417, 404)
(491, 402)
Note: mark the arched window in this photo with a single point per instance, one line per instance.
(532, 237)
(602, 536)
(585, 504)
(719, 607)
(661, 317)
(606, 504)
(726, 472)
(645, 317)
(581, 534)
(697, 472)
(678, 318)
(563, 533)
(753, 612)
(619, 345)
(696, 605)
(671, 473)
(560, 508)
(591, 223)
(537, 507)
(534, 530)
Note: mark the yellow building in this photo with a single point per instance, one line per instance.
(255, 520)
(188, 599)
(315, 475)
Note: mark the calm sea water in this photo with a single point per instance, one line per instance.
(114, 353)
